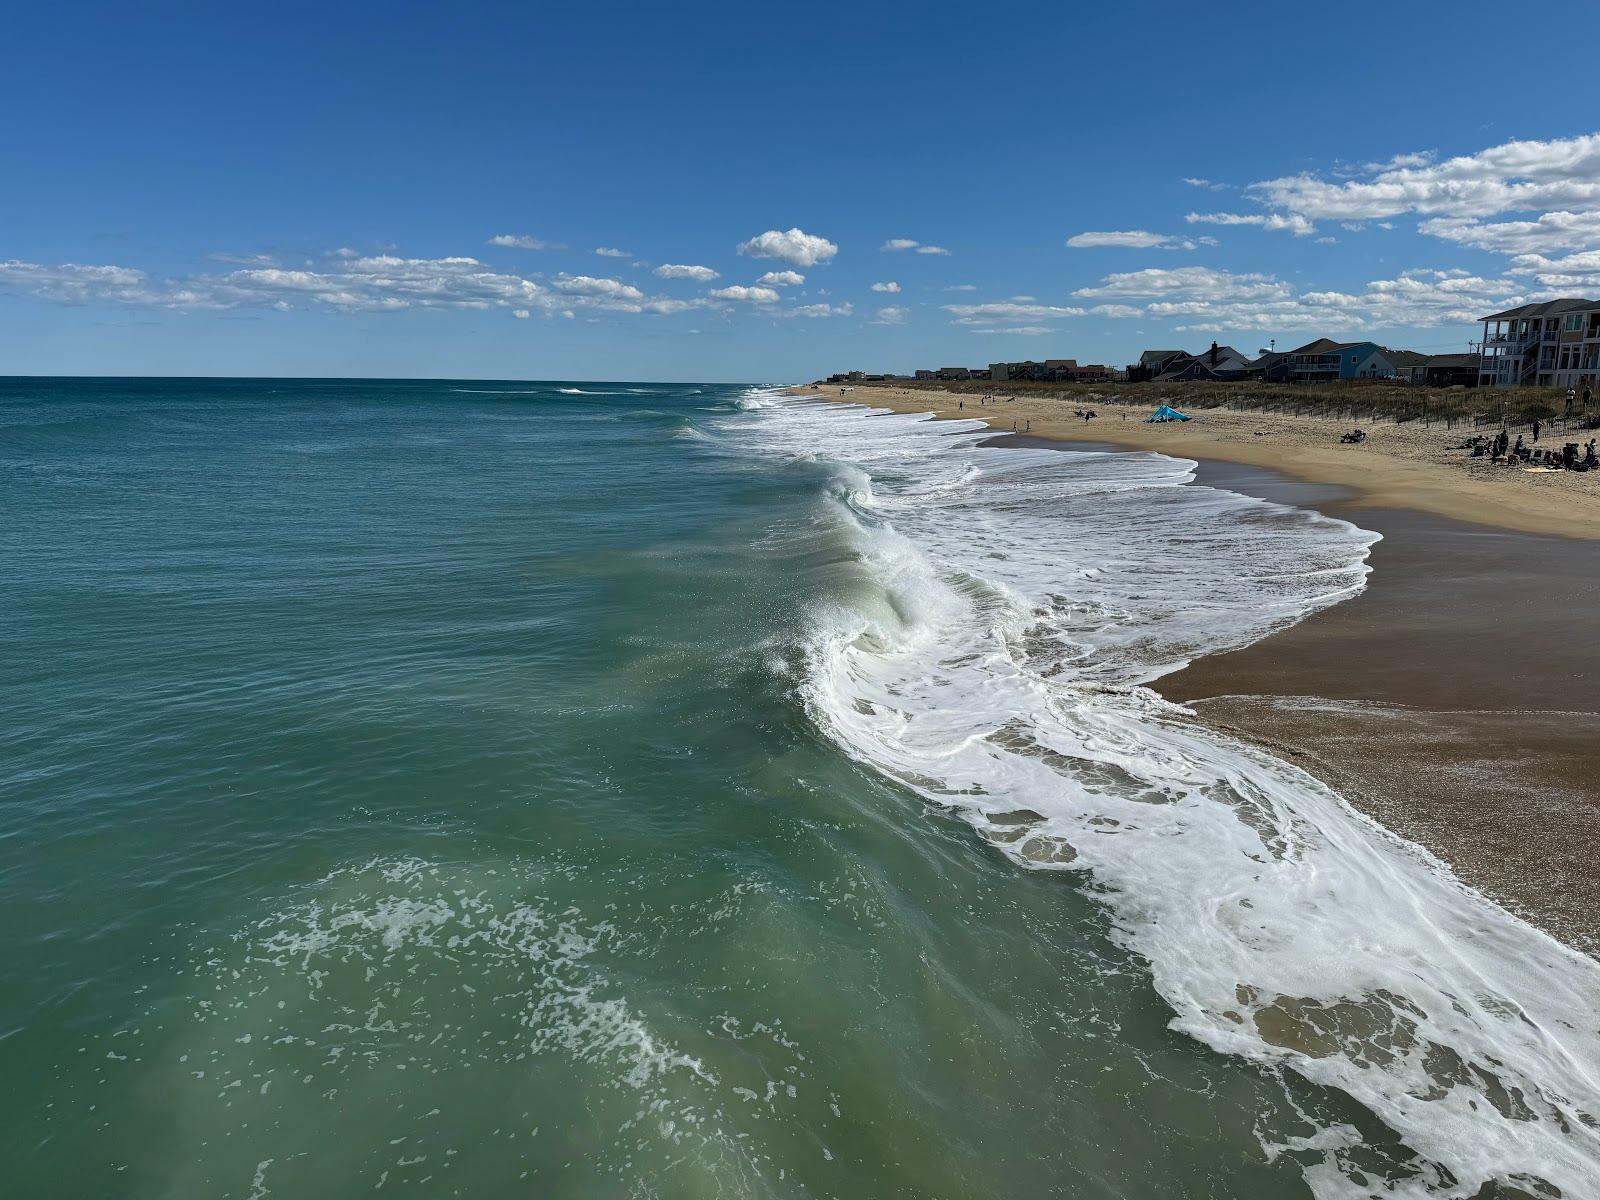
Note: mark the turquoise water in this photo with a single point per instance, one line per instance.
(436, 787)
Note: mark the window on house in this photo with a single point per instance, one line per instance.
(1573, 322)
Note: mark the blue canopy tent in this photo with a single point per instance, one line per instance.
(1164, 414)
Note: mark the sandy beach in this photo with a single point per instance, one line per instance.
(1457, 699)
(1399, 466)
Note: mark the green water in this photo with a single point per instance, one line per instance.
(405, 786)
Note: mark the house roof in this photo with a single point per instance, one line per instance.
(1405, 358)
(1548, 308)
(1453, 360)
(1320, 346)
(1193, 366)
(1155, 356)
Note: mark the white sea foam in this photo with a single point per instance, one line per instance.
(1012, 603)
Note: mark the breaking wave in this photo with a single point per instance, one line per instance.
(1006, 609)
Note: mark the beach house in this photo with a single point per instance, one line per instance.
(1555, 343)
(1152, 363)
(1323, 360)
(1409, 366)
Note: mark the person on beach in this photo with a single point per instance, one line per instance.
(1535, 429)
(1571, 396)
(1588, 397)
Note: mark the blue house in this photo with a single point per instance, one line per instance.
(1324, 360)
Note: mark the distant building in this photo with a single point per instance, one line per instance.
(1409, 366)
(1225, 361)
(1051, 370)
(1187, 368)
(953, 373)
(1552, 344)
(1152, 363)
(927, 375)
(1451, 370)
(1323, 361)
(1272, 367)
(1216, 364)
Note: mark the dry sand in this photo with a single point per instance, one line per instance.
(1399, 466)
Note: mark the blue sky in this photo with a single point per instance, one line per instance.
(410, 190)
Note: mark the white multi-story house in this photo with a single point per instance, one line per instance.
(1552, 344)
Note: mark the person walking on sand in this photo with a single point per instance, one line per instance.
(1588, 397)
(1571, 396)
(1536, 429)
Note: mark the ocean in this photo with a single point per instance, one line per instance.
(579, 789)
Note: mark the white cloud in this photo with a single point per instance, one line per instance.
(521, 314)
(1292, 222)
(375, 283)
(79, 283)
(912, 244)
(588, 285)
(1216, 301)
(684, 271)
(1201, 283)
(1563, 173)
(1135, 239)
(523, 241)
(821, 310)
(665, 305)
(962, 287)
(891, 315)
(1207, 185)
(794, 246)
(612, 252)
(988, 314)
(887, 286)
(250, 260)
(1551, 231)
(1574, 272)
(782, 279)
(1326, 240)
(1022, 330)
(749, 295)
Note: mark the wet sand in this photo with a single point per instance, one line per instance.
(1456, 700)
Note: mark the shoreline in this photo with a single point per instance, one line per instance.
(1400, 466)
(1470, 658)
(1453, 700)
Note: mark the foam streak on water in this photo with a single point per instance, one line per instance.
(1011, 605)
